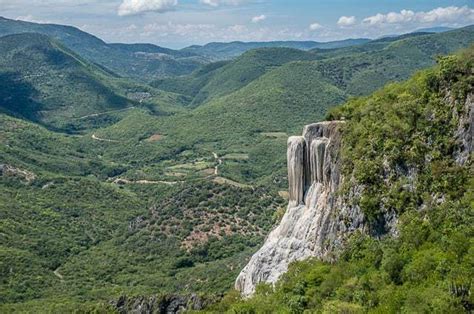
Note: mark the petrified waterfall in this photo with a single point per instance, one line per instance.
(296, 145)
(317, 218)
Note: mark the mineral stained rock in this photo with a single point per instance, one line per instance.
(317, 218)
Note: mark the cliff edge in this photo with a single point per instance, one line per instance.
(317, 217)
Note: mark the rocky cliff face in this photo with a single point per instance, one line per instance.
(168, 304)
(317, 219)
(465, 131)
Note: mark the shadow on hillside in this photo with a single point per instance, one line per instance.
(17, 97)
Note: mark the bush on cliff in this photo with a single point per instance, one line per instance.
(403, 129)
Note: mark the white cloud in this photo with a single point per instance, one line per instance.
(31, 18)
(450, 14)
(238, 29)
(184, 30)
(212, 3)
(345, 21)
(133, 7)
(259, 18)
(315, 26)
(216, 3)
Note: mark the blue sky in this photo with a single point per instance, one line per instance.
(178, 23)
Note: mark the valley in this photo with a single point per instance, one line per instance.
(136, 170)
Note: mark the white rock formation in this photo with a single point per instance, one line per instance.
(465, 132)
(317, 218)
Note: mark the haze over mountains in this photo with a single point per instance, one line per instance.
(137, 169)
(147, 61)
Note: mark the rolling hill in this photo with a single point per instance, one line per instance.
(357, 69)
(47, 83)
(142, 62)
(220, 79)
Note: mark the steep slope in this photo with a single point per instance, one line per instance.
(44, 82)
(144, 62)
(47, 83)
(395, 180)
(224, 51)
(363, 69)
(227, 78)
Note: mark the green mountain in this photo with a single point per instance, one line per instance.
(281, 99)
(220, 79)
(224, 51)
(358, 69)
(428, 266)
(142, 62)
(47, 83)
(167, 188)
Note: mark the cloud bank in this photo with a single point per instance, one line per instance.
(345, 21)
(315, 26)
(259, 18)
(134, 7)
(450, 14)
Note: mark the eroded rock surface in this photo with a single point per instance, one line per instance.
(465, 132)
(317, 218)
(170, 304)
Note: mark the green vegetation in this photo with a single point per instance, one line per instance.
(141, 62)
(223, 51)
(46, 83)
(70, 234)
(400, 144)
(110, 186)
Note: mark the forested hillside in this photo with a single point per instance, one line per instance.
(110, 186)
(406, 145)
(142, 62)
(225, 51)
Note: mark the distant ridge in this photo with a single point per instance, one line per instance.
(229, 50)
(154, 62)
(437, 29)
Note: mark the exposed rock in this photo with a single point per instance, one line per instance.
(169, 304)
(296, 145)
(317, 219)
(7, 170)
(465, 131)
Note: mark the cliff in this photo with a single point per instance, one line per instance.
(317, 218)
(383, 202)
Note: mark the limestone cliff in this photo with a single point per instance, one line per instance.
(317, 218)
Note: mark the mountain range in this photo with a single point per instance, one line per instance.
(132, 169)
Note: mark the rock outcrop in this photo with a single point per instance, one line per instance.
(465, 131)
(170, 304)
(317, 219)
(10, 171)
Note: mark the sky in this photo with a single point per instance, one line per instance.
(180, 23)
